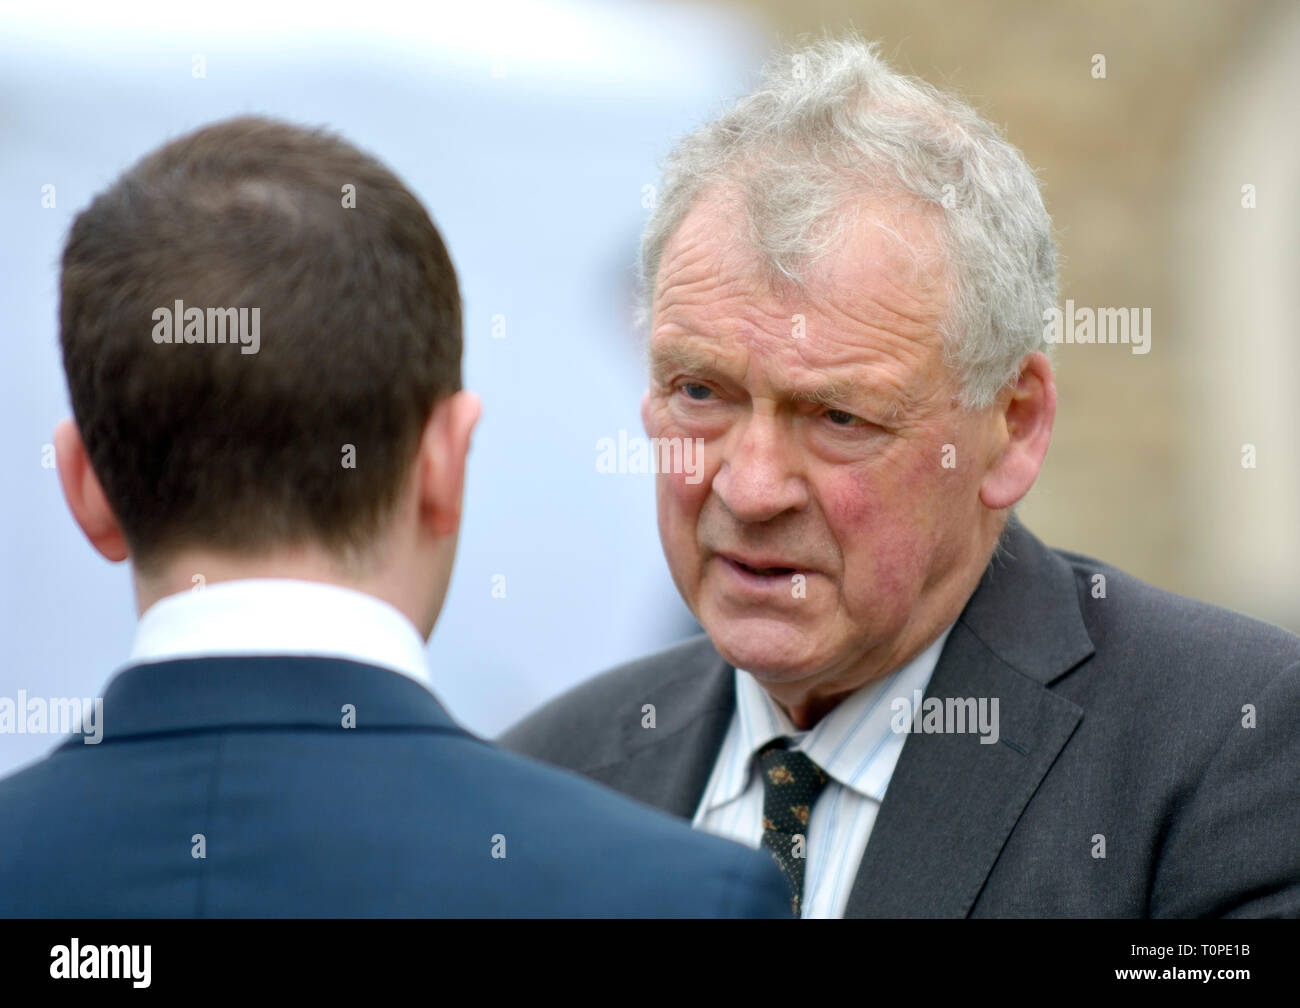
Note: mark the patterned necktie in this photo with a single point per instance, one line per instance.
(791, 784)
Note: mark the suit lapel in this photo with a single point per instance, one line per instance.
(669, 766)
(953, 801)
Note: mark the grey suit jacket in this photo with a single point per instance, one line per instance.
(1124, 717)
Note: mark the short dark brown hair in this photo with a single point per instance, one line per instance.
(207, 444)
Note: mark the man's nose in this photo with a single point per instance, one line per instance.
(761, 474)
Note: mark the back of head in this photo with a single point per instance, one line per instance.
(244, 311)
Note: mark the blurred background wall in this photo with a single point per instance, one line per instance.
(532, 131)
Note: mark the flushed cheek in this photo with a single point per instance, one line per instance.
(882, 537)
(882, 582)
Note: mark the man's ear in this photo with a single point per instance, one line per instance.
(444, 447)
(1024, 416)
(84, 495)
(645, 411)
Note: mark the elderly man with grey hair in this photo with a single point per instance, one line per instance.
(914, 704)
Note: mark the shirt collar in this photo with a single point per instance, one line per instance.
(280, 616)
(855, 743)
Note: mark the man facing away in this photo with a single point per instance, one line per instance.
(269, 424)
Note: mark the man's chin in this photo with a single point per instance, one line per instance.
(772, 650)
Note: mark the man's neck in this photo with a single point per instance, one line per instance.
(197, 568)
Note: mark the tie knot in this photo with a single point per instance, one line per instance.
(791, 784)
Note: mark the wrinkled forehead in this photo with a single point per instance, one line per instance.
(878, 290)
(890, 247)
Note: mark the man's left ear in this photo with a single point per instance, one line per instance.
(1024, 416)
(444, 448)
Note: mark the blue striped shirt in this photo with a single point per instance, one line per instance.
(856, 746)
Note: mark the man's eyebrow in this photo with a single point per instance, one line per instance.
(843, 395)
(665, 358)
(829, 393)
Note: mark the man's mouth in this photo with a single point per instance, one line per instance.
(761, 566)
(767, 571)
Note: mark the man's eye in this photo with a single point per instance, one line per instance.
(696, 391)
(840, 418)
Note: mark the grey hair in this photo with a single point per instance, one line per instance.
(832, 123)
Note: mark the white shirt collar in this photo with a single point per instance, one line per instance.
(280, 616)
(855, 743)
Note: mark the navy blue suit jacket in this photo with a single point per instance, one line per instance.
(247, 761)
